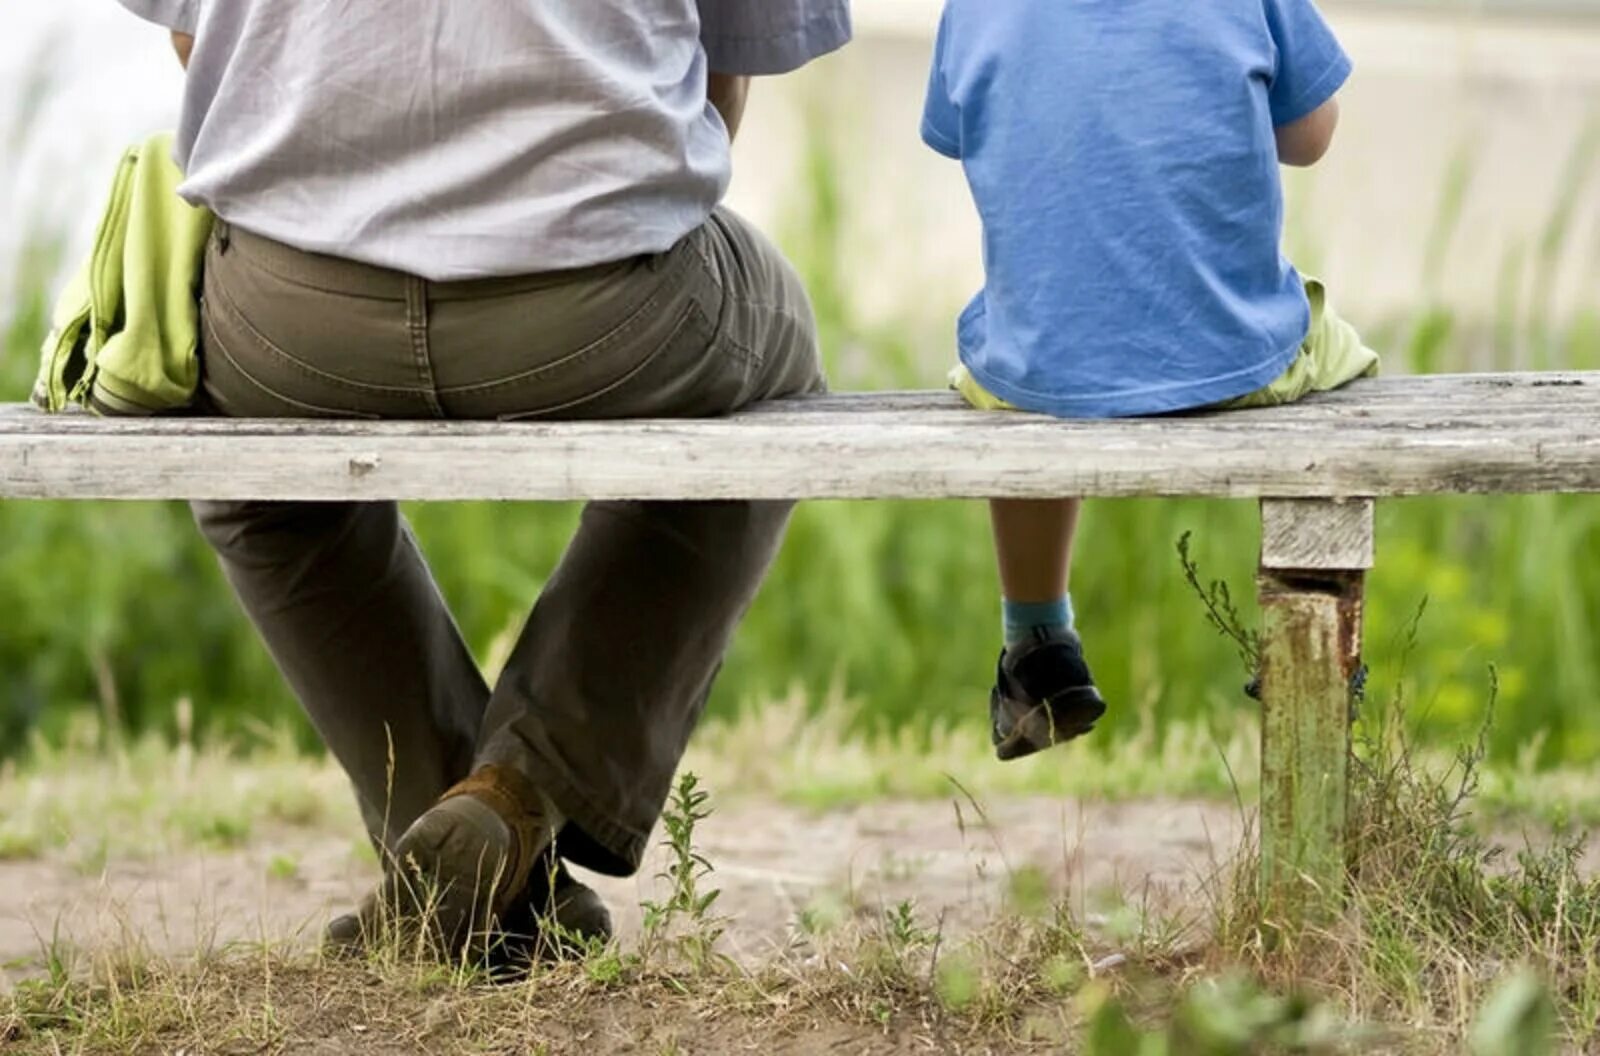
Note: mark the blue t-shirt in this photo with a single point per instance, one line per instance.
(1122, 156)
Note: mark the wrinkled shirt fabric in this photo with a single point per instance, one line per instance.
(468, 140)
(1123, 158)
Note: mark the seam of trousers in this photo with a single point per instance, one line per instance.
(417, 325)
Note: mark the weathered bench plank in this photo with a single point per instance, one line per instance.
(1386, 437)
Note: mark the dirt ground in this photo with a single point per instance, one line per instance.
(771, 862)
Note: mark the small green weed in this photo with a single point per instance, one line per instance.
(685, 924)
(903, 930)
(1222, 612)
(1230, 1016)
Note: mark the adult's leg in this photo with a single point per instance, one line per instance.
(353, 618)
(612, 670)
(339, 591)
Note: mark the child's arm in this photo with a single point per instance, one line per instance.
(183, 44)
(1305, 141)
(1311, 68)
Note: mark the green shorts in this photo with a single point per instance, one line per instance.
(1331, 357)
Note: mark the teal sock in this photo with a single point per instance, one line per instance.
(1030, 619)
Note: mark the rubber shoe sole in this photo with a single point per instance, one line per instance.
(1022, 730)
(450, 866)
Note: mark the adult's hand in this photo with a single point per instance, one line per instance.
(183, 44)
(728, 93)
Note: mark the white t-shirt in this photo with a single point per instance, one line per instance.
(472, 139)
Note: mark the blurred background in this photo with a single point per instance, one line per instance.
(1457, 223)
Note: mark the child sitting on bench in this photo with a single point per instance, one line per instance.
(1124, 158)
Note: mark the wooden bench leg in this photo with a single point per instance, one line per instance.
(1314, 556)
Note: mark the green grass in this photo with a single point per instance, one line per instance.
(1447, 944)
(89, 800)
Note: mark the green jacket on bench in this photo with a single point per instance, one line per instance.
(124, 335)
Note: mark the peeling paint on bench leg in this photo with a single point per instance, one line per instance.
(1310, 666)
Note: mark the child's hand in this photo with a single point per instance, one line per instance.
(1305, 141)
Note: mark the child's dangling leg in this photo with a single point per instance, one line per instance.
(1033, 541)
(1043, 692)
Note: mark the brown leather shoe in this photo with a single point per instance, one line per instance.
(461, 866)
(553, 917)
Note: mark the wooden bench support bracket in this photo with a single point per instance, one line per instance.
(1314, 558)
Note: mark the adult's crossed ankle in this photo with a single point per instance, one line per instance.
(462, 867)
(555, 915)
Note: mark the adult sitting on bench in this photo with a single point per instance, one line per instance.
(498, 212)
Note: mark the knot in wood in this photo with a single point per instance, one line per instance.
(361, 465)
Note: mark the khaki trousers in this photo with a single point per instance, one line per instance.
(613, 667)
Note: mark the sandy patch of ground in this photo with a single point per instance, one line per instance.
(771, 862)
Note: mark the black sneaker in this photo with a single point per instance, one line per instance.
(1043, 695)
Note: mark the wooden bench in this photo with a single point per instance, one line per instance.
(1316, 467)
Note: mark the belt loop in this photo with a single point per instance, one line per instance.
(224, 235)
